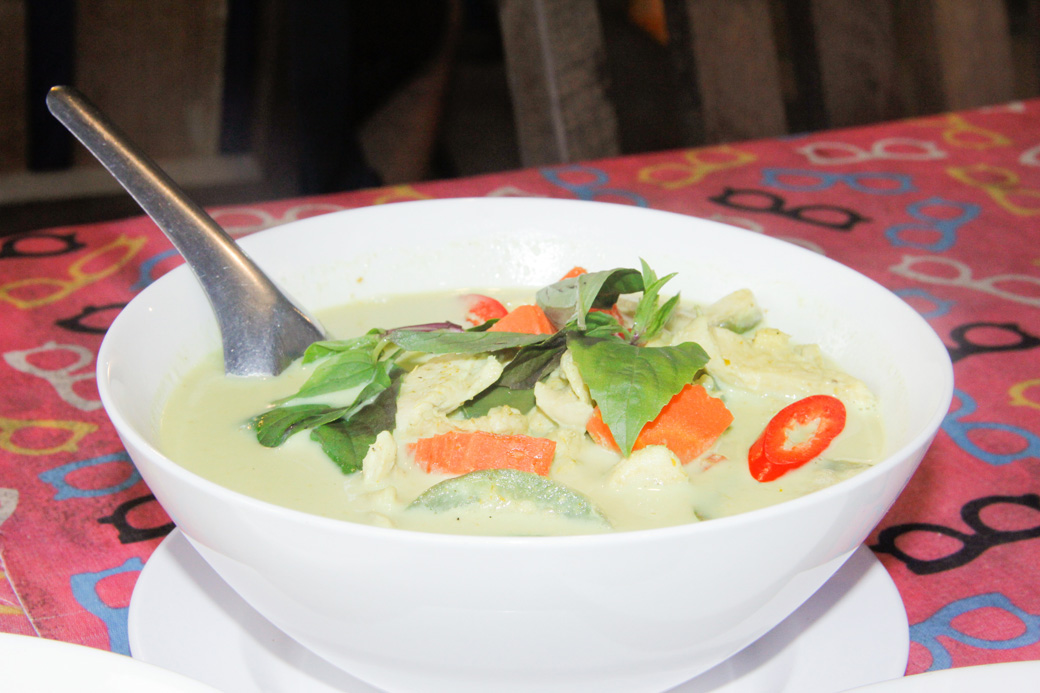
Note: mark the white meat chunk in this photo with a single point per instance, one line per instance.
(698, 330)
(380, 459)
(503, 420)
(654, 465)
(555, 397)
(737, 311)
(569, 370)
(770, 362)
(438, 387)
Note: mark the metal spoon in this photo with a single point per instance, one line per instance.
(262, 330)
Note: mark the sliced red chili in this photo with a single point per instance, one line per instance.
(480, 309)
(774, 454)
(761, 469)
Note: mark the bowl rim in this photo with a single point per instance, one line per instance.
(919, 440)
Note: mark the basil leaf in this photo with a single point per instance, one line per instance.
(571, 299)
(342, 371)
(617, 282)
(648, 320)
(532, 362)
(497, 396)
(274, 427)
(346, 441)
(603, 324)
(448, 342)
(369, 340)
(631, 384)
(660, 318)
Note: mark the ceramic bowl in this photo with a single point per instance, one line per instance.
(626, 612)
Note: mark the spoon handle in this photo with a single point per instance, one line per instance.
(261, 329)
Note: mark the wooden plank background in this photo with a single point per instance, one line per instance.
(157, 68)
(12, 85)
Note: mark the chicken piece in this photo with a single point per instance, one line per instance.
(652, 466)
(770, 362)
(438, 387)
(384, 501)
(380, 459)
(569, 370)
(555, 397)
(738, 311)
(698, 330)
(503, 420)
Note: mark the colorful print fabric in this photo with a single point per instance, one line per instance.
(944, 210)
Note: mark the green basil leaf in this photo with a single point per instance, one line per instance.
(346, 441)
(274, 427)
(369, 341)
(660, 318)
(603, 324)
(450, 342)
(497, 396)
(647, 314)
(571, 299)
(631, 384)
(342, 371)
(533, 362)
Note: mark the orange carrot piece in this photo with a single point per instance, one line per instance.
(574, 272)
(688, 425)
(599, 431)
(461, 452)
(528, 319)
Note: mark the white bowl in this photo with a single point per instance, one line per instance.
(627, 612)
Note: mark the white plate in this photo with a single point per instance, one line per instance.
(183, 617)
(1008, 677)
(29, 663)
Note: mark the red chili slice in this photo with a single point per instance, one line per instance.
(760, 467)
(772, 455)
(480, 309)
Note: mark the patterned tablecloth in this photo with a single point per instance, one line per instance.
(944, 210)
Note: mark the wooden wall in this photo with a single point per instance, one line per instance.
(760, 68)
(156, 68)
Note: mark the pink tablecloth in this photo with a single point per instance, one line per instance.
(945, 211)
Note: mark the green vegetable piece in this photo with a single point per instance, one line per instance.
(649, 319)
(346, 442)
(452, 342)
(508, 488)
(497, 396)
(368, 341)
(631, 384)
(339, 371)
(571, 299)
(274, 427)
(533, 362)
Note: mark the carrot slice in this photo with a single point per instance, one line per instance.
(600, 432)
(574, 272)
(528, 319)
(688, 425)
(461, 452)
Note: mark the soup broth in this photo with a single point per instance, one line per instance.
(756, 371)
